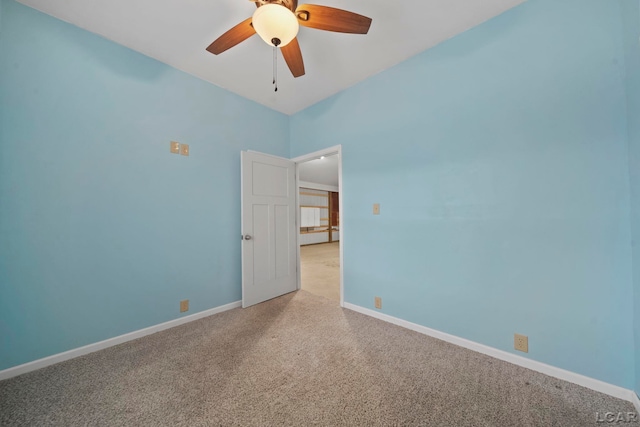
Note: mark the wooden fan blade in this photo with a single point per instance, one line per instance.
(332, 19)
(237, 34)
(293, 57)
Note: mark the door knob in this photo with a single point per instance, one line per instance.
(247, 237)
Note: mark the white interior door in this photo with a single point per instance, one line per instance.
(268, 227)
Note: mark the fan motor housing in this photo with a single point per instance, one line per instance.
(289, 4)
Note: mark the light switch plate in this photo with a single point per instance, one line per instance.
(376, 208)
(184, 149)
(174, 147)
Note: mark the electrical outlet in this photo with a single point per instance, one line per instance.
(174, 147)
(376, 208)
(184, 149)
(521, 342)
(378, 302)
(184, 305)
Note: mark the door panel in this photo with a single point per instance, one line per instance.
(260, 238)
(268, 227)
(270, 180)
(282, 237)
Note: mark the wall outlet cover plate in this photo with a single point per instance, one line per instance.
(521, 343)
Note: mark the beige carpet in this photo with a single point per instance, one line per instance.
(297, 360)
(320, 269)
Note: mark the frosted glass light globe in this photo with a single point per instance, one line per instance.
(274, 21)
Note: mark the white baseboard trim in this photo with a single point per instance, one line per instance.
(572, 377)
(90, 348)
(636, 401)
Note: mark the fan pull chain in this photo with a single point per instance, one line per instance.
(275, 67)
(276, 42)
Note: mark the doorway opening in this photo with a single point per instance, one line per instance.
(320, 231)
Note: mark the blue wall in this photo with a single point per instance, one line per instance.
(102, 230)
(500, 161)
(631, 27)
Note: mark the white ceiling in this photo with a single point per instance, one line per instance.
(177, 33)
(320, 171)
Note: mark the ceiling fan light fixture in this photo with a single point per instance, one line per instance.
(273, 23)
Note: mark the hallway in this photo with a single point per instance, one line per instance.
(320, 269)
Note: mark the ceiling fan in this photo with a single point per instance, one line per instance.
(277, 23)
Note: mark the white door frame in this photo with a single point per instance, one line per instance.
(336, 149)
